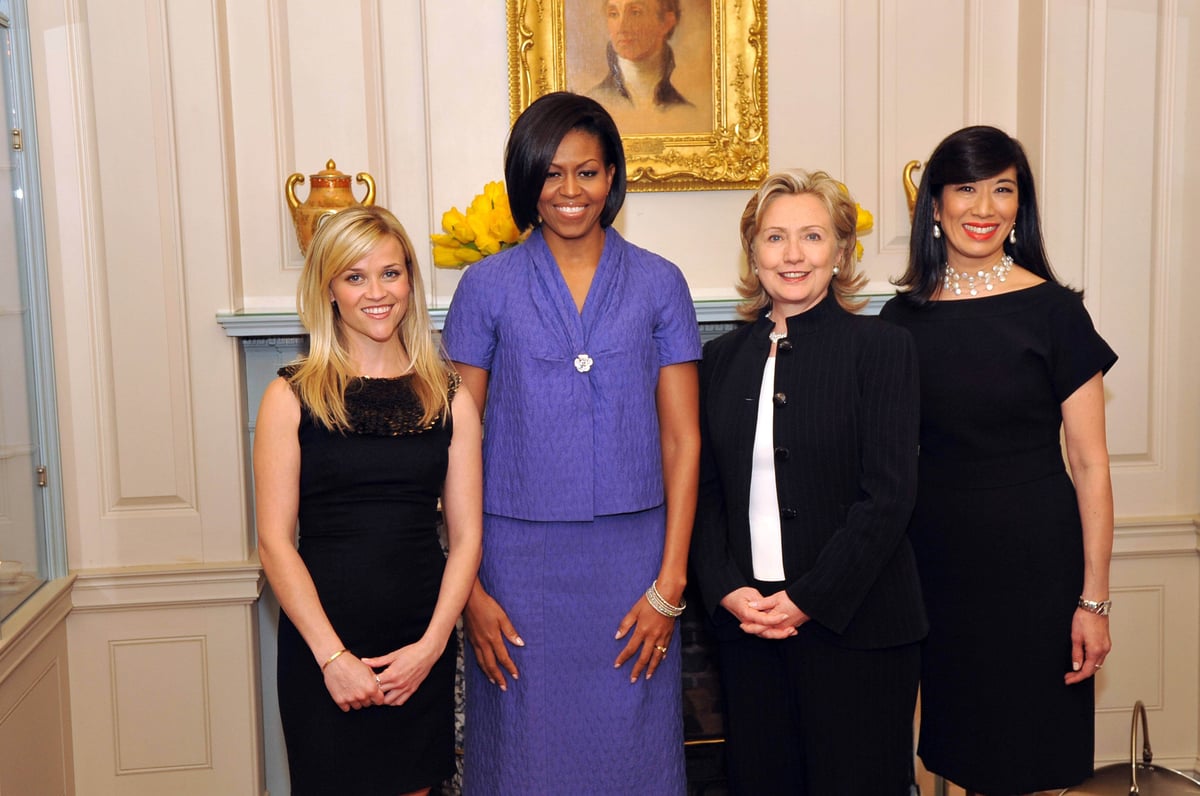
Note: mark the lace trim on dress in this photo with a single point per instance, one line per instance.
(385, 407)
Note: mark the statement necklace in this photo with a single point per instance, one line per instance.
(775, 337)
(953, 280)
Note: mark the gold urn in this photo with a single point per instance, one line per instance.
(328, 192)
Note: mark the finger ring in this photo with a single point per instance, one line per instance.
(663, 650)
(1098, 665)
(377, 683)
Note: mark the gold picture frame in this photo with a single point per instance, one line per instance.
(717, 52)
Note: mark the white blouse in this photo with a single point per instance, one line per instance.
(766, 546)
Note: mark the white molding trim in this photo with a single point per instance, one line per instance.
(168, 587)
(1156, 537)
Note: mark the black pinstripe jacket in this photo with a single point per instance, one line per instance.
(845, 437)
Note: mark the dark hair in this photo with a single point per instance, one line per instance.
(534, 140)
(969, 155)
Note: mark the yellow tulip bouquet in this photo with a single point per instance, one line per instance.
(486, 228)
(862, 226)
(866, 222)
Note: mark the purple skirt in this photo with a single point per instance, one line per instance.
(573, 723)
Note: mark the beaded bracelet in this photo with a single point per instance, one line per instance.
(333, 658)
(660, 604)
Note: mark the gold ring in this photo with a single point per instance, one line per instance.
(663, 650)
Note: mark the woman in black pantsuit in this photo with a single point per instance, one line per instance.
(808, 476)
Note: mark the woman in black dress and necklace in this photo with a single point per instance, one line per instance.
(356, 441)
(1013, 553)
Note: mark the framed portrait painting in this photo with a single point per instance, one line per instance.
(685, 80)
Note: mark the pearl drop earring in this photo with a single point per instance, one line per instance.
(1012, 235)
(937, 231)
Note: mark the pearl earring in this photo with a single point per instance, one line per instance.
(1012, 235)
(836, 270)
(937, 231)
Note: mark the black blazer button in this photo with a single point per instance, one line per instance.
(780, 399)
(783, 346)
(782, 454)
(787, 514)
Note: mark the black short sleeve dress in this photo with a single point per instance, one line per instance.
(368, 535)
(997, 536)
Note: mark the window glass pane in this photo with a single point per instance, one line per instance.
(22, 553)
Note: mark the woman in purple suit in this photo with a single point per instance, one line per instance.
(582, 347)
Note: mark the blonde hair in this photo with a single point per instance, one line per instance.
(842, 210)
(321, 377)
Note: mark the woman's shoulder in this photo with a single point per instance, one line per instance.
(280, 399)
(288, 370)
(728, 341)
(496, 268)
(876, 330)
(899, 307)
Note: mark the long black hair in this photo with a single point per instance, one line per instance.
(534, 140)
(969, 155)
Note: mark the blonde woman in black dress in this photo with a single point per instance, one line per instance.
(1013, 553)
(356, 441)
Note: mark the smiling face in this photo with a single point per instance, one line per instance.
(795, 250)
(372, 295)
(637, 28)
(576, 188)
(975, 219)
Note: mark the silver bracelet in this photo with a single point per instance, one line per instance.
(659, 603)
(1098, 607)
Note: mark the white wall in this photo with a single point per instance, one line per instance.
(167, 128)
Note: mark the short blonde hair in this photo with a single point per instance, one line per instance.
(323, 374)
(842, 210)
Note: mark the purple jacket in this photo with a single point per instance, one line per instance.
(571, 428)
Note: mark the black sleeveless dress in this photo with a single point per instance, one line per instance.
(368, 535)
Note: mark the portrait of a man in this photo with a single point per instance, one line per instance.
(649, 62)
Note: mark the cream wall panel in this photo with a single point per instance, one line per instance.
(403, 169)
(263, 158)
(209, 277)
(1156, 643)
(160, 693)
(165, 667)
(141, 234)
(139, 301)
(1120, 136)
(1124, 263)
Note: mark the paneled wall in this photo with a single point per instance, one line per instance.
(167, 128)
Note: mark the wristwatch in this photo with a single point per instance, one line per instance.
(1098, 607)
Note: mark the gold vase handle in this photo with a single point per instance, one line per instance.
(289, 189)
(369, 181)
(910, 187)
